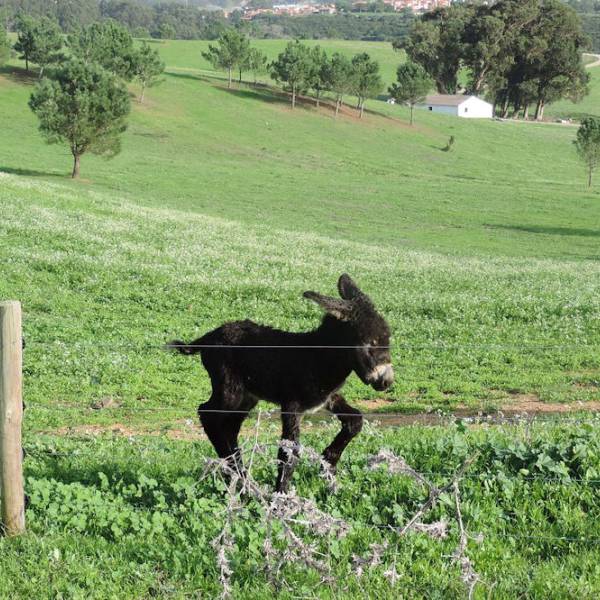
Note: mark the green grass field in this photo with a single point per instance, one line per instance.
(226, 205)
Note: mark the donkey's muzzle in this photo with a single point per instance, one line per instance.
(381, 377)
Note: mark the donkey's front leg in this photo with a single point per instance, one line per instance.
(288, 453)
(352, 421)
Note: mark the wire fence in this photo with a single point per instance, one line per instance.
(35, 451)
(119, 345)
(382, 419)
(387, 418)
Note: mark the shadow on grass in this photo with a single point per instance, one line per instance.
(271, 95)
(549, 230)
(30, 172)
(267, 93)
(19, 75)
(263, 94)
(180, 75)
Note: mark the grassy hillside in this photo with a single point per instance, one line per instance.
(226, 204)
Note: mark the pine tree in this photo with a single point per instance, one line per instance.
(84, 106)
(147, 67)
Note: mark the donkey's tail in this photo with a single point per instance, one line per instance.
(194, 347)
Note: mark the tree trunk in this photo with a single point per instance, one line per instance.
(41, 73)
(505, 108)
(294, 96)
(76, 160)
(539, 110)
(143, 92)
(229, 81)
(412, 107)
(318, 98)
(337, 106)
(478, 83)
(26, 64)
(526, 112)
(240, 76)
(362, 109)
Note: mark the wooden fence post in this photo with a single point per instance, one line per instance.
(11, 414)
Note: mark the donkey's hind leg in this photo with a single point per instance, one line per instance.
(351, 420)
(288, 452)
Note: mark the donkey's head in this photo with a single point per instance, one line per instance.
(367, 331)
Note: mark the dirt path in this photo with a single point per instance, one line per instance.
(519, 406)
(595, 63)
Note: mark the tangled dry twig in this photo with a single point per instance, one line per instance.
(437, 530)
(286, 516)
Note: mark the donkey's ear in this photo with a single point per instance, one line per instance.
(347, 288)
(340, 309)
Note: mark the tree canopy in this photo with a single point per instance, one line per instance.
(25, 38)
(108, 44)
(318, 73)
(230, 52)
(256, 62)
(47, 43)
(84, 106)
(366, 81)
(436, 43)
(517, 52)
(294, 68)
(412, 85)
(339, 78)
(147, 67)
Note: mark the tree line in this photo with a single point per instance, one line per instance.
(589, 11)
(186, 20)
(518, 53)
(81, 97)
(347, 26)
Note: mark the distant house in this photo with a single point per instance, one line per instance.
(468, 107)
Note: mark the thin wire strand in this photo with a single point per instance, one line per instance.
(434, 345)
(470, 419)
(591, 540)
(134, 442)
